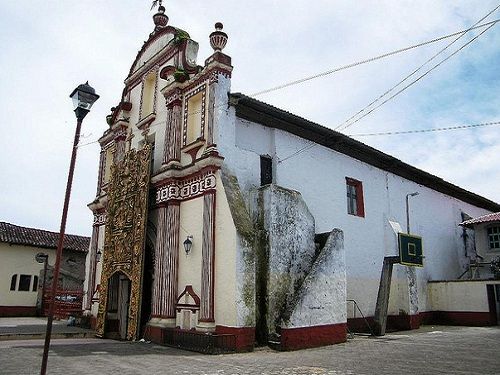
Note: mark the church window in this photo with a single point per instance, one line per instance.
(24, 283)
(266, 170)
(494, 238)
(148, 95)
(13, 282)
(355, 204)
(193, 131)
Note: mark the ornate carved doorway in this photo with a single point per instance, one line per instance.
(124, 245)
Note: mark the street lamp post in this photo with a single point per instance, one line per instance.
(408, 210)
(42, 258)
(84, 97)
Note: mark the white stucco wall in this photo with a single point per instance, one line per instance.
(191, 224)
(319, 175)
(468, 296)
(225, 261)
(20, 260)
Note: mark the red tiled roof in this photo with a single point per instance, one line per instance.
(14, 234)
(483, 219)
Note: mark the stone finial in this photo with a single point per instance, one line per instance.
(218, 38)
(160, 18)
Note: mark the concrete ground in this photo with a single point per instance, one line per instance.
(35, 327)
(430, 350)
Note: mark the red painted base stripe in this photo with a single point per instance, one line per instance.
(245, 336)
(17, 311)
(310, 337)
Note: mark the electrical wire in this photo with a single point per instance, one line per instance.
(312, 144)
(419, 78)
(347, 123)
(458, 127)
(372, 59)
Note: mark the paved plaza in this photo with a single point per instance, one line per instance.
(430, 350)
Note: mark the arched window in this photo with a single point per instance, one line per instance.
(13, 282)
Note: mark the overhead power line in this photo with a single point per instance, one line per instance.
(349, 121)
(371, 59)
(458, 127)
(417, 79)
(312, 144)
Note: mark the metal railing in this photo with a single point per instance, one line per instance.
(356, 306)
(207, 343)
(67, 302)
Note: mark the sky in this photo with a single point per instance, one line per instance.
(51, 46)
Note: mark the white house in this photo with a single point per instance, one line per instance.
(222, 216)
(20, 273)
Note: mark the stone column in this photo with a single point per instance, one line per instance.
(166, 265)
(120, 144)
(206, 320)
(92, 267)
(102, 166)
(173, 131)
(211, 115)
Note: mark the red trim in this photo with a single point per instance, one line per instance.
(152, 38)
(360, 202)
(17, 310)
(189, 290)
(245, 336)
(463, 318)
(314, 336)
(409, 322)
(167, 71)
(93, 322)
(154, 334)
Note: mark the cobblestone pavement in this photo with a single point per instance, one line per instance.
(431, 350)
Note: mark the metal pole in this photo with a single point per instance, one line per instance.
(57, 264)
(407, 214)
(46, 261)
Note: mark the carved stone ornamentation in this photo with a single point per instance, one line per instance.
(125, 233)
(218, 39)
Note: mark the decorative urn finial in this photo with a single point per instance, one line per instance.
(160, 18)
(218, 39)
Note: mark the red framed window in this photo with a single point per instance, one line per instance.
(355, 203)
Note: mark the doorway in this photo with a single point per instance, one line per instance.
(117, 313)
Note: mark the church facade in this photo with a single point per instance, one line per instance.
(209, 226)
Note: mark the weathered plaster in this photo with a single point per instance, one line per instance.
(245, 253)
(321, 298)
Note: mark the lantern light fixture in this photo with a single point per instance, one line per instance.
(188, 243)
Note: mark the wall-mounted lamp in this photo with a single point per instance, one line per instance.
(188, 243)
(98, 256)
(408, 210)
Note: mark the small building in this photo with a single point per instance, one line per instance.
(221, 217)
(486, 234)
(21, 276)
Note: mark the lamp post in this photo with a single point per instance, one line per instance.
(42, 258)
(408, 210)
(84, 97)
